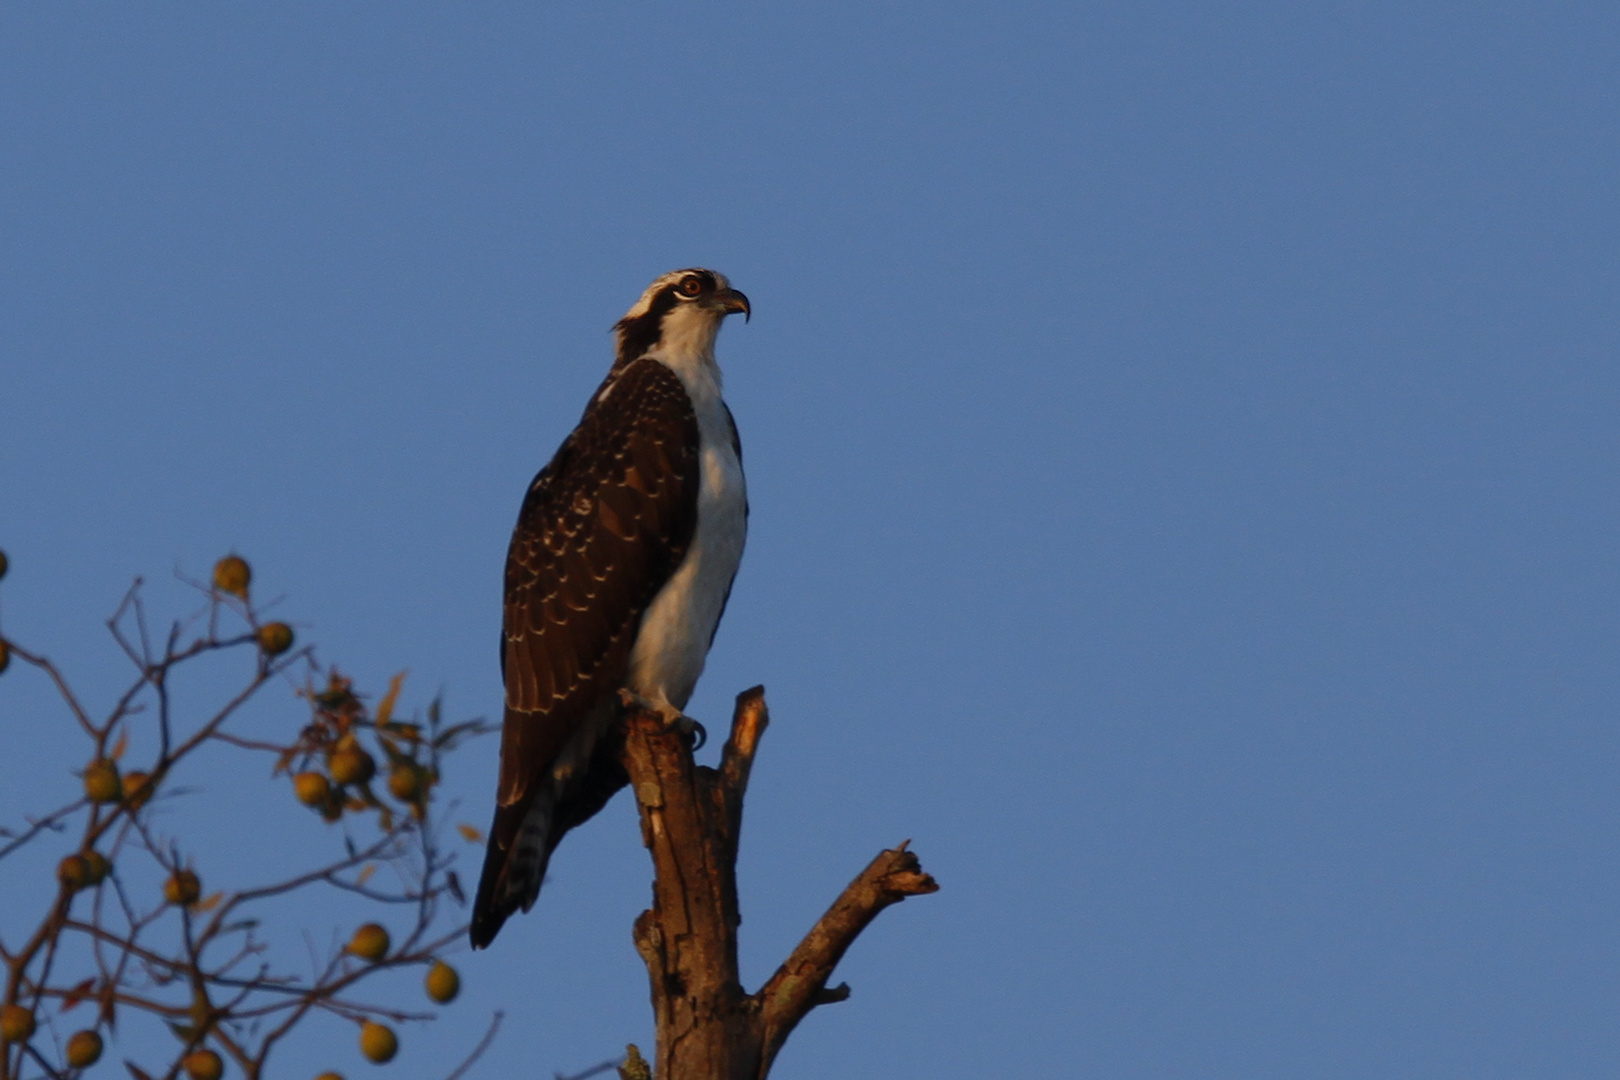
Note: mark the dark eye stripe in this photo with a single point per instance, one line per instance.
(639, 334)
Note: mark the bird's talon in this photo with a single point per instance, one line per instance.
(674, 720)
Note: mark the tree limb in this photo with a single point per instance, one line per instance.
(691, 818)
(800, 984)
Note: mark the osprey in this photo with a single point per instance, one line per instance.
(618, 572)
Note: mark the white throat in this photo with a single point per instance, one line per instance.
(686, 344)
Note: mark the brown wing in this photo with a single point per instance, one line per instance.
(603, 527)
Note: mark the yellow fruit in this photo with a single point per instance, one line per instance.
(16, 1024)
(330, 1076)
(182, 888)
(443, 984)
(349, 764)
(137, 789)
(74, 872)
(370, 942)
(98, 865)
(378, 1042)
(232, 575)
(311, 788)
(405, 782)
(101, 782)
(84, 1049)
(275, 638)
(204, 1065)
(5, 656)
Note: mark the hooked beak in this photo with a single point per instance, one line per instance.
(732, 301)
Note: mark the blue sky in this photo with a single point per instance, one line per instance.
(1181, 442)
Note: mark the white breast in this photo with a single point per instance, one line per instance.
(676, 630)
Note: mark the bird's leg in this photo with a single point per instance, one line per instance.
(668, 714)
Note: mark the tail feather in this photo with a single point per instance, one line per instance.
(520, 846)
(525, 834)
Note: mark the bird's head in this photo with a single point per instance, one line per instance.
(679, 315)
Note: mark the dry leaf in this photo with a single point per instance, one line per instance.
(365, 873)
(78, 994)
(471, 834)
(121, 745)
(385, 707)
(108, 1013)
(208, 903)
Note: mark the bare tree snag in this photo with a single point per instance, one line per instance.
(708, 1027)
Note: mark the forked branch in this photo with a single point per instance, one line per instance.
(691, 818)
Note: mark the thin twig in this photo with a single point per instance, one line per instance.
(62, 687)
(594, 1070)
(49, 821)
(478, 1051)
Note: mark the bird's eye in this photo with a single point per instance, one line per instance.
(690, 286)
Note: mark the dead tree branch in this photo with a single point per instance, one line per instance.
(708, 1027)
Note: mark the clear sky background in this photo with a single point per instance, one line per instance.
(1181, 440)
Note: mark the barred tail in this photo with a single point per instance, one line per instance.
(526, 833)
(520, 846)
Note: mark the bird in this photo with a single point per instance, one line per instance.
(619, 569)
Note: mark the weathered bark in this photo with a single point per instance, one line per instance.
(709, 1028)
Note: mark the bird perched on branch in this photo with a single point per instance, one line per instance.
(618, 572)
